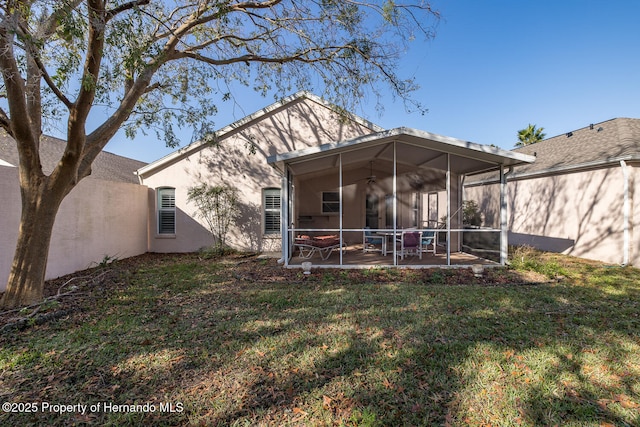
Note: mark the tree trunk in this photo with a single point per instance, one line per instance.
(26, 280)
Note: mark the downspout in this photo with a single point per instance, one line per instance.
(625, 214)
(504, 231)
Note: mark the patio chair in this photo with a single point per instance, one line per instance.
(428, 238)
(410, 244)
(369, 241)
(322, 245)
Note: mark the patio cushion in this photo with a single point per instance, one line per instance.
(304, 240)
(411, 240)
(325, 241)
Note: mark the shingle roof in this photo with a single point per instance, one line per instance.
(592, 146)
(107, 166)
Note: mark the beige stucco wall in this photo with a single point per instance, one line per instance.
(578, 213)
(302, 123)
(9, 220)
(97, 219)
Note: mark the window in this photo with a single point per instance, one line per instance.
(166, 211)
(271, 207)
(330, 202)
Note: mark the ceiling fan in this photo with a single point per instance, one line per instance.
(371, 179)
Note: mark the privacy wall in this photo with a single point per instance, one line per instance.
(97, 219)
(582, 213)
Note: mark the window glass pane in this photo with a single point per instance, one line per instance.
(330, 202)
(272, 202)
(331, 196)
(166, 211)
(271, 208)
(166, 222)
(167, 200)
(271, 222)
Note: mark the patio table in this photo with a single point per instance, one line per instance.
(386, 234)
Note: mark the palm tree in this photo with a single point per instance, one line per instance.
(530, 135)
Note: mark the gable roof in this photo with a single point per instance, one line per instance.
(107, 166)
(241, 124)
(593, 146)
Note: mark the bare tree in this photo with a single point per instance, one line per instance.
(218, 207)
(156, 64)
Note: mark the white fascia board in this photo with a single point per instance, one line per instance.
(429, 140)
(581, 167)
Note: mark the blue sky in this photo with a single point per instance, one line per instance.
(495, 66)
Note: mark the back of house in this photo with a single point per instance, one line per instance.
(237, 158)
(126, 207)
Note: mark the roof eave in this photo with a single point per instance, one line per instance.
(582, 167)
(445, 143)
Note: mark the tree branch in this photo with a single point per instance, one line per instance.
(111, 13)
(74, 155)
(243, 6)
(20, 130)
(47, 78)
(49, 25)
(327, 52)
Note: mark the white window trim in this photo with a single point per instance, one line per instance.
(265, 193)
(160, 209)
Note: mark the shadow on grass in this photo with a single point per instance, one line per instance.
(327, 350)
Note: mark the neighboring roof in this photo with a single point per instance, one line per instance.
(244, 122)
(414, 148)
(596, 145)
(107, 166)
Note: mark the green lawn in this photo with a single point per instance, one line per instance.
(240, 341)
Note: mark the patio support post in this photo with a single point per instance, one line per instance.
(395, 205)
(284, 213)
(448, 209)
(504, 236)
(340, 209)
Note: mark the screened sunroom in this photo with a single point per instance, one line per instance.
(392, 198)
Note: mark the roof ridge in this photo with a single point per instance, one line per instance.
(595, 145)
(62, 141)
(592, 126)
(107, 166)
(584, 128)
